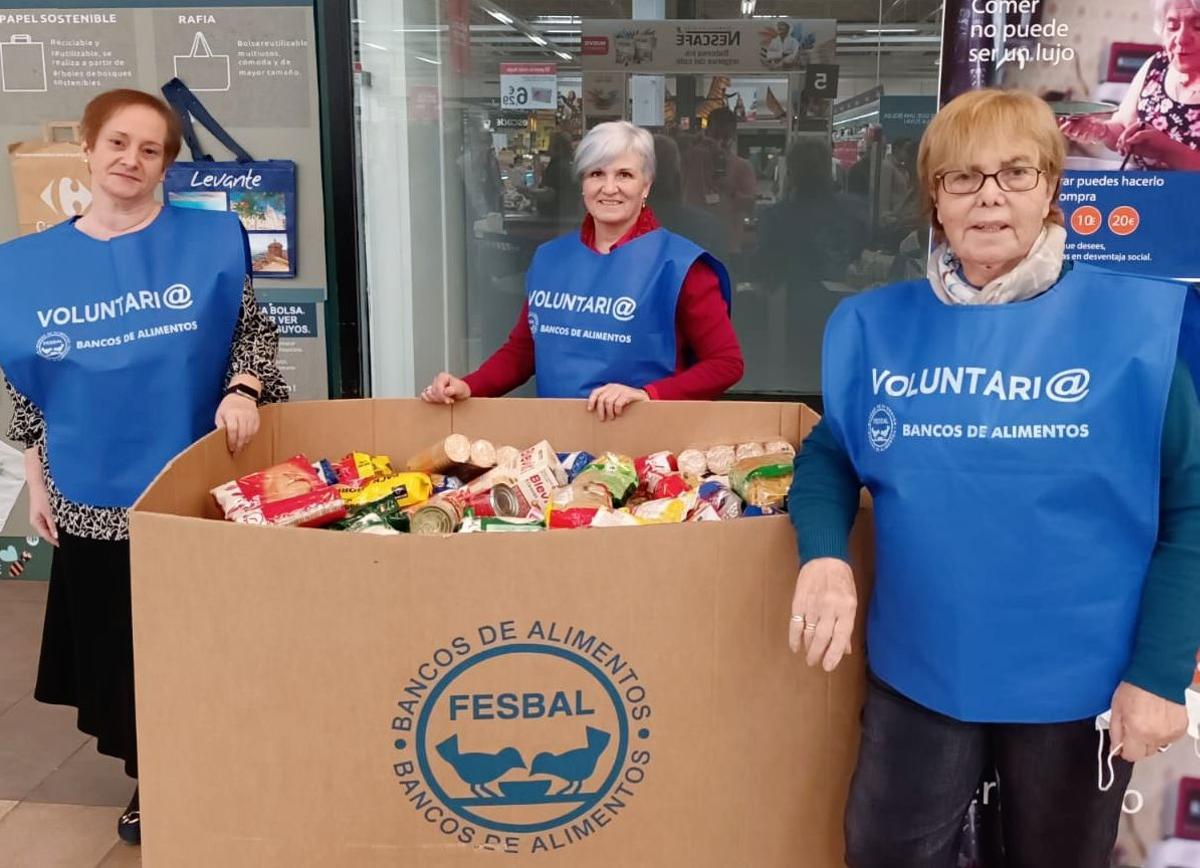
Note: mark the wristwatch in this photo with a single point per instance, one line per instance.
(245, 391)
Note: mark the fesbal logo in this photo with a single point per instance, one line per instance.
(522, 737)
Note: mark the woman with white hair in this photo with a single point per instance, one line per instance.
(1158, 122)
(621, 311)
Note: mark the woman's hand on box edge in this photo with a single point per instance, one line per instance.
(238, 415)
(446, 389)
(825, 597)
(610, 400)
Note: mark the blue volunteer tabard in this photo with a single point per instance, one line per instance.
(600, 319)
(123, 344)
(1013, 455)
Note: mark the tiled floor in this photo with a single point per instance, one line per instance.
(59, 799)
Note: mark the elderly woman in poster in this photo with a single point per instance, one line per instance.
(1157, 125)
(1031, 441)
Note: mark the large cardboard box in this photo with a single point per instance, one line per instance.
(620, 697)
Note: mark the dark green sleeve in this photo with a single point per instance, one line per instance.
(1168, 634)
(823, 500)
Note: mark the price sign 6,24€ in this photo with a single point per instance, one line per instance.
(528, 86)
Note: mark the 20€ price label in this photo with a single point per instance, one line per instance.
(528, 86)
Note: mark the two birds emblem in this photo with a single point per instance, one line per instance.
(477, 770)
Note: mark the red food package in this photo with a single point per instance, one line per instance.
(580, 516)
(291, 478)
(652, 469)
(311, 509)
(671, 485)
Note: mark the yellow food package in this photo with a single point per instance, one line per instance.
(409, 489)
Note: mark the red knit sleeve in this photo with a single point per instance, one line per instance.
(705, 332)
(508, 367)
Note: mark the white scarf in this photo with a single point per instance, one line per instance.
(1032, 276)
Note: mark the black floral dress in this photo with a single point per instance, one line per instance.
(1156, 109)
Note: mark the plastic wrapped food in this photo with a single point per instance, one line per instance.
(408, 489)
(779, 447)
(243, 499)
(718, 495)
(387, 510)
(483, 454)
(752, 511)
(581, 493)
(287, 479)
(615, 472)
(443, 483)
(315, 508)
(720, 459)
(358, 469)
(574, 462)
(763, 481)
(693, 463)
(571, 517)
(325, 472)
(508, 456)
(748, 450)
(368, 523)
(658, 476)
(615, 518)
(704, 512)
(668, 510)
(499, 524)
(439, 457)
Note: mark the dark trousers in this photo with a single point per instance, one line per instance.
(918, 772)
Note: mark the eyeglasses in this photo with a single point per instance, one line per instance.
(1017, 179)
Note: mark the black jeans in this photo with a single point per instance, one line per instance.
(918, 772)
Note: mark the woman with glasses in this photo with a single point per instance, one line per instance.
(1032, 446)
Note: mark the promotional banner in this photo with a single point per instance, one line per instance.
(724, 46)
(604, 96)
(1131, 120)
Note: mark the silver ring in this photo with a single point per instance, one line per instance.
(808, 627)
(799, 618)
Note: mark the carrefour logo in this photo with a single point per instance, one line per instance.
(522, 739)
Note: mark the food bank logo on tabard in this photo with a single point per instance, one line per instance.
(881, 427)
(53, 346)
(522, 737)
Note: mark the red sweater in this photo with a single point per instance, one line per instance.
(703, 331)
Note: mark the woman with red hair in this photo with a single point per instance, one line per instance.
(128, 333)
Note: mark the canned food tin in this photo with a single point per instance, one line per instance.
(500, 500)
(435, 517)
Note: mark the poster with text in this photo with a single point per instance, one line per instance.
(1128, 104)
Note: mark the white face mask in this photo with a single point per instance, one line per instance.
(1102, 724)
